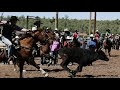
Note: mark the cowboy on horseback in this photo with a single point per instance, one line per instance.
(107, 43)
(91, 43)
(7, 33)
(56, 31)
(38, 24)
(47, 30)
(97, 35)
(68, 41)
(75, 35)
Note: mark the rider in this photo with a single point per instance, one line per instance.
(75, 35)
(91, 43)
(97, 35)
(108, 33)
(47, 30)
(67, 41)
(38, 24)
(7, 33)
(36, 27)
(56, 31)
(66, 32)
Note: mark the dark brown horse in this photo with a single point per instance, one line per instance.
(26, 47)
(45, 46)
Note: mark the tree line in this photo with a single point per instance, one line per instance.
(72, 24)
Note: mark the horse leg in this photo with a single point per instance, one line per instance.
(42, 60)
(32, 62)
(106, 51)
(21, 64)
(15, 67)
(109, 50)
(15, 64)
(55, 57)
(50, 61)
(79, 69)
(64, 66)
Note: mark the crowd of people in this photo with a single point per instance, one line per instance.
(62, 39)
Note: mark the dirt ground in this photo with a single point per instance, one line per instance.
(99, 69)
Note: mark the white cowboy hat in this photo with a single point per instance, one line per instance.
(91, 35)
(69, 38)
(34, 28)
(66, 29)
(97, 31)
(47, 28)
(24, 29)
(17, 37)
(56, 29)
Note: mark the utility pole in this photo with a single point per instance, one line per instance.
(1, 28)
(90, 23)
(1, 16)
(30, 17)
(56, 20)
(27, 22)
(94, 22)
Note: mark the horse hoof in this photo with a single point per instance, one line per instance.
(72, 74)
(46, 74)
(48, 65)
(24, 70)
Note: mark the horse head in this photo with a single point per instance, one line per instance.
(102, 55)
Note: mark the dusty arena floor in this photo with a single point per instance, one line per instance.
(99, 69)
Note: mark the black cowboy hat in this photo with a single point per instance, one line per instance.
(108, 30)
(38, 22)
(13, 18)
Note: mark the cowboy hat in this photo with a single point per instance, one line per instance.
(56, 29)
(97, 31)
(66, 29)
(34, 28)
(38, 22)
(69, 38)
(91, 35)
(13, 18)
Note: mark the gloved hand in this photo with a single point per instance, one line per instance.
(0, 35)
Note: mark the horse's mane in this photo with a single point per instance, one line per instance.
(25, 36)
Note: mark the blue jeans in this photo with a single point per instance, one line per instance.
(8, 43)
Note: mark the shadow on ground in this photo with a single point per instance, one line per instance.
(115, 55)
(92, 76)
(47, 70)
(54, 70)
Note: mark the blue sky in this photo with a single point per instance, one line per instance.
(71, 15)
